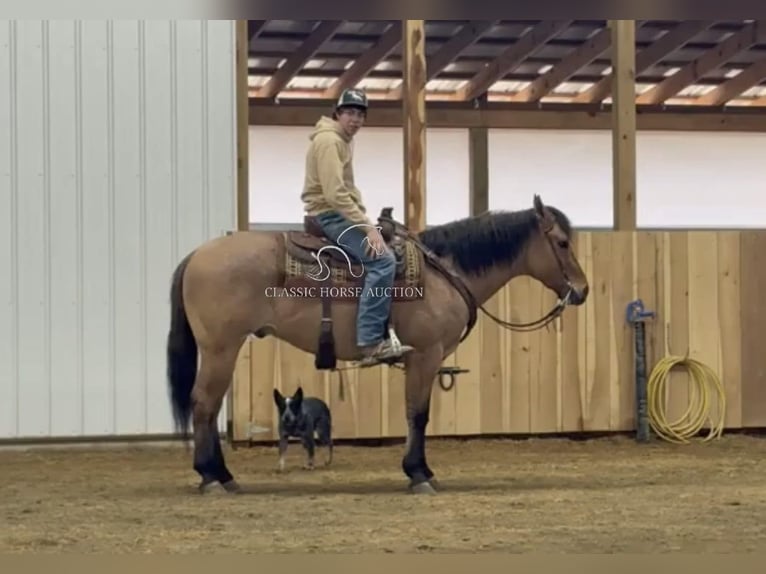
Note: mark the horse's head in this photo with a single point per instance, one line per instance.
(551, 259)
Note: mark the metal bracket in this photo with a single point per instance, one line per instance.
(636, 312)
(452, 372)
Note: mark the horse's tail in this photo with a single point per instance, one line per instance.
(181, 353)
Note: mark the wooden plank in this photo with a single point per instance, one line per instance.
(263, 378)
(516, 382)
(622, 291)
(623, 124)
(493, 398)
(730, 325)
(599, 366)
(241, 405)
(753, 276)
(414, 122)
(703, 302)
(677, 321)
(545, 406)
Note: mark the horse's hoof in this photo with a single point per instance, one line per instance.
(211, 487)
(435, 483)
(232, 487)
(422, 488)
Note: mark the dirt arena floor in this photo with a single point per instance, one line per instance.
(541, 495)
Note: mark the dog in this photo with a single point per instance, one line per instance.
(301, 417)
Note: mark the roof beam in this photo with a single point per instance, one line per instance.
(708, 61)
(581, 56)
(298, 59)
(520, 116)
(511, 57)
(254, 27)
(730, 89)
(367, 61)
(646, 58)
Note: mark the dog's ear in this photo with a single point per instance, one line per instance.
(279, 400)
(297, 399)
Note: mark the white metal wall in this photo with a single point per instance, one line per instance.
(117, 156)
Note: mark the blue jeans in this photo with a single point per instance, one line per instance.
(379, 271)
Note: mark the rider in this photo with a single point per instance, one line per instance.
(329, 194)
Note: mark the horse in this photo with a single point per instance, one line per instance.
(223, 291)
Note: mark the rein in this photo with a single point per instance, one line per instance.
(554, 313)
(468, 297)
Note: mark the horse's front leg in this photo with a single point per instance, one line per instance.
(422, 367)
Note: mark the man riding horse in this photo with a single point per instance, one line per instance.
(332, 198)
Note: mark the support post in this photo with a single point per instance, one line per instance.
(242, 190)
(624, 123)
(243, 127)
(414, 122)
(478, 164)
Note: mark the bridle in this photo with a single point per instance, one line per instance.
(468, 297)
(561, 304)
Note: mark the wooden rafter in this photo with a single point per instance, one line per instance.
(646, 58)
(362, 66)
(733, 87)
(533, 40)
(451, 49)
(581, 56)
(298, 59)
(254, 27)
(708, 61)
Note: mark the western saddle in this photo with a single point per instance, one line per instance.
(303, 245)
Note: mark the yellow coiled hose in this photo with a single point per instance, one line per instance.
(704, 380)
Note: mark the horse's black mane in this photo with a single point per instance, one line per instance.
(479, 242)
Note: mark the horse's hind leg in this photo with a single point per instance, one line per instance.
(212, 382)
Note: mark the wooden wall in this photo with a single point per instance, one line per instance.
(577, 375)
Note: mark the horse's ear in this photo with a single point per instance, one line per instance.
(544, 217)
(279, 400)
(298, 395)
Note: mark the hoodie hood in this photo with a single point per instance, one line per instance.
(327, 124)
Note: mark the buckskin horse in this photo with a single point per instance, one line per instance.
(220, 295)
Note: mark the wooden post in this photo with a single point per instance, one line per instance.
(238, 397)
(624, 123)
(243, 121)
(414, 122)
(478, 162)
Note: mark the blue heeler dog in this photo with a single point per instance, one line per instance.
(300, 417)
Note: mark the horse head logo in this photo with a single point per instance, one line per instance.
(324, 270)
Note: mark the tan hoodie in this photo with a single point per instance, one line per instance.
(329, 182)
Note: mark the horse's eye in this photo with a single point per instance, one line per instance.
(564, 244)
